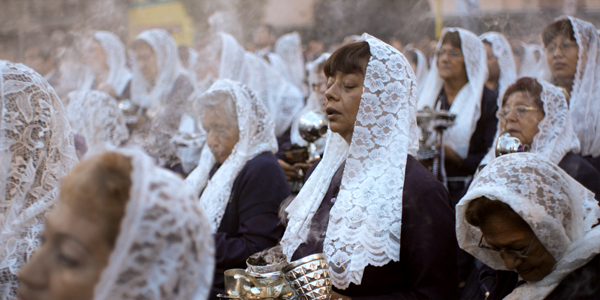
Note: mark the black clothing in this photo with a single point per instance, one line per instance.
(250, 223)
(427, 268)
(582, 171)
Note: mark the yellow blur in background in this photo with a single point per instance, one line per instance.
(166, 14)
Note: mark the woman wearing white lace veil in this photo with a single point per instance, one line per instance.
(238, 179)
(419, 64)
(524, 213)
(537, 113)
(96, 120)
(105, 54)
(576, 68)
(37, 150)
(123, 228)
(532, 61)
(377, 214)
(222, 57)
(456, 82)
(161, 86)
(289, 48)
(500, 62)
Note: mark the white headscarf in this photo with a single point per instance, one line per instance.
(422, 67)
(365, 222)
(164, 249)
(556, 137)
(584, 103)
(289, 48)
(96, 116)
(506, 62)
(559, 210)
(530, 66)
(168, 65)
(282, 99)
(118, 74)
(467, 104)
(37, 151)
(312, 103)
(257, 135)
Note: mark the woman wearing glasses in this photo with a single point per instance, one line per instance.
(523, 213)
(572, 53)
(537, 114)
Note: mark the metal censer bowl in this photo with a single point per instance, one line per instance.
(267, 281)
(506, 144)
(312, 126)
(309, 277)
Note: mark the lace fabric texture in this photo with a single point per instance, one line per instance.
(533, 63)
(422, 67)
(119, 75)
(282, 99)
(556, 136)
(37, 150)
(559, 210)
(289, 48)
(312, 102)
(169, 69)
(96, 116)
(584, 104)
(467, 104)
(365, 221)
(164, 249)
(506, 62)
(257, 135)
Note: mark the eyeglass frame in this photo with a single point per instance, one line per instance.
(562, 47)
(523, 254)
(451, 53)
(502, 113)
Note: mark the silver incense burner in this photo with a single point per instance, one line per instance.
(506, 144)
(431, 151)
(312, 126)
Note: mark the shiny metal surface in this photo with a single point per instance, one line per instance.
(236, 282)
(312, 126)
(309, 277)
(506, 144)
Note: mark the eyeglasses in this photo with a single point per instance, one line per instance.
(519, 110)
(563, 47)
(317, 85)
(451, 53)
(519, 254)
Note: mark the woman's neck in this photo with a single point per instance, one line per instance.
(491, 84)
(452, 87)
(565, 83)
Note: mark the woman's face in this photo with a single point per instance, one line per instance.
(505, 234)
(562, 55)
(95, 57)
(521, 123)
(222, 133)
(451, 63)
(209, 59)
(492, 63)
(343, 94)
(146, 61)
(69, 261)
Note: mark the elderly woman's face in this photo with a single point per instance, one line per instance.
(505, 234)
(69, 261)
(343, 94)
(562, 55)
(222, 131)
(146, 61)
(521, 117)
(451, 63)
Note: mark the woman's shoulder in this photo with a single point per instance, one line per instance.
(264, 162)
(583, 283)
(581, 170)
(420, 184)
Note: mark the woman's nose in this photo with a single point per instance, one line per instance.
(511, 261)
(332, 93)
(34, 274)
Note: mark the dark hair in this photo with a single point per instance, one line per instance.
(411, 55)
(528, 85)
(554, 29)
(452, 38)
(480, 209)
(350, 58)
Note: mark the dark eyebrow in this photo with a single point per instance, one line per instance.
(62, 236)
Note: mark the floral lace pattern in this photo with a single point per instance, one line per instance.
(467, 104)
(584, 104)
(559, 210)
(37, 150)
(257, 135)
(506, 62)
(282, 98)
(556, 136)
(365, 221)
(164, 249)
(96, 116)
(118, 74)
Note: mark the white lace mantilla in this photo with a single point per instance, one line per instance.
(365, 222)
(559, 210)
(506, 62)
(556, 137)
(422, 67)
(96, 116)
(37, 151)
(257, 135)
(164, 249)
(289, 48)
(118, 75)
(467, 104)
